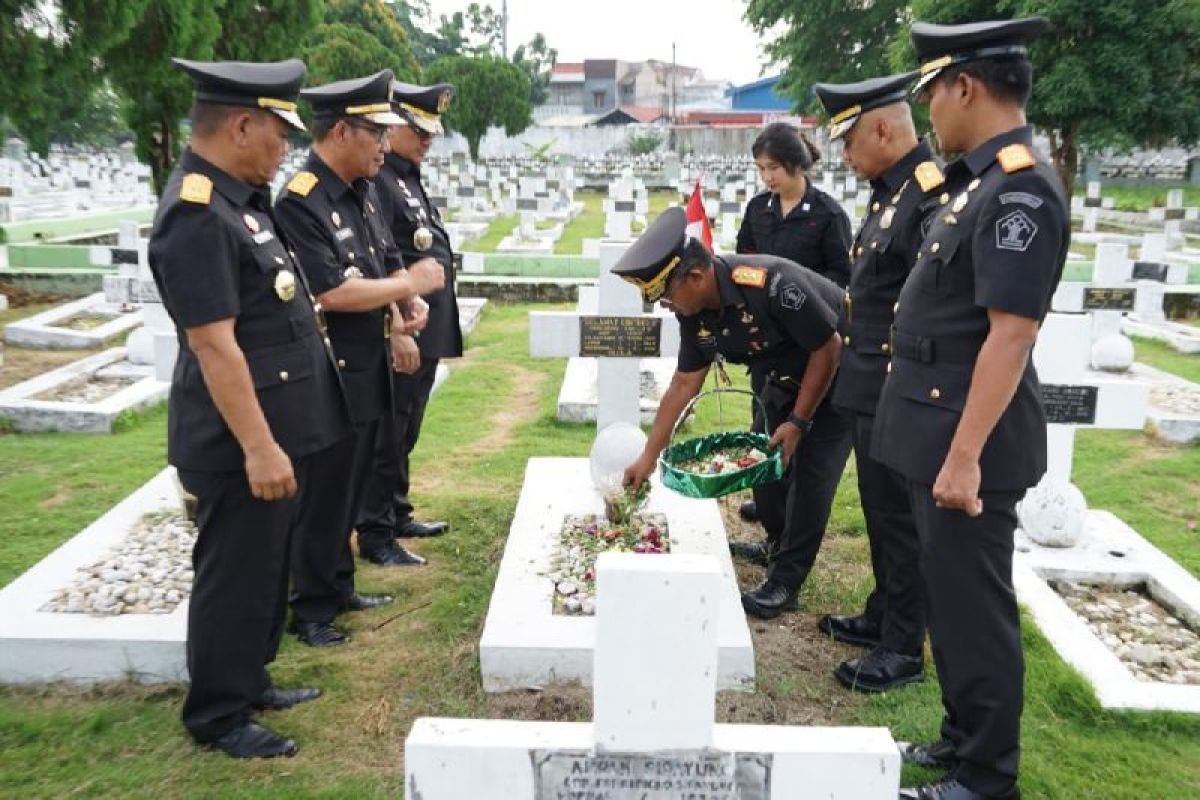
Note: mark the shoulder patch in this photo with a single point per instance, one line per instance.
(1015, 157)
(302, 183)
(196, 188)
(744, 275)
(928, 175)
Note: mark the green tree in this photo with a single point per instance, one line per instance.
(1109, 72)
(489, 91)
(376, 19)
(536, 59)
(826, 40)
(49, 61)
(265, 30)
(159, 94)
(339, 52)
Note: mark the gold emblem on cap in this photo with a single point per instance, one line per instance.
(251, 222)
(960, 202)
(285, 285)
(337, 218)
(423, 238)
(885, 221)
(444, 101)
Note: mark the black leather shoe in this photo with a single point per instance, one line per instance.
(931, 755)
(850, 630)
(421, 530)
(769, 600)
(949, 788)
(362, 602)
(281, 699)
(748, 511)
(320, 634)
(880, 671)
(251, 740)
(394, 556)
(754, 552)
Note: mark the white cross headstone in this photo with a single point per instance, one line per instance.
(1075, 396)
(618, 326)
(654, 735)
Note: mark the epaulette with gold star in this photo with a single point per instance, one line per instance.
(196, 188)
(1015, 157)
(928, 175)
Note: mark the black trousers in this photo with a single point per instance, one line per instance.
(895, 604)
(974, 627)
(386, 506)
(322, 562)
(795, 510)
(239, 594)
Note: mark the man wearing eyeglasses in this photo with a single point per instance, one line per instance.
(416, 225)
(331, 214)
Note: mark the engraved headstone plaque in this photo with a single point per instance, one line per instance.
(1108, 299)
(568, 774)
(1069, 405)
(620, 337)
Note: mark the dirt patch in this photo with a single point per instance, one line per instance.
(19, 298)
(21, 364)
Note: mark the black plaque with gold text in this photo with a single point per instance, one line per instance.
(620, 337)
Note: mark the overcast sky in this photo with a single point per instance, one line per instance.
(709, 34)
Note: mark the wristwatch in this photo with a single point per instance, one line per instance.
(805, 425)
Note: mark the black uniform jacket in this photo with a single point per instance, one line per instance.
(815, 234)
(902, 200)
(773, 314)
(998, 240)
(216, 253)
(407, 210)
(338, 232)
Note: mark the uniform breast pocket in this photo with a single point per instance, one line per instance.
(935, 270)
(938, 385)
(879, 248)
(271, 257)
(279, 366)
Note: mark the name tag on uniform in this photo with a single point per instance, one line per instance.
(344, 233)
(263, 236)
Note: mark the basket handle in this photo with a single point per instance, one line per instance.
(719, 390)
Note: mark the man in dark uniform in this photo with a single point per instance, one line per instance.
(875, 124)
(255, 402)
(417, 228)
(960, 416)
(331, 214)
(778, 318)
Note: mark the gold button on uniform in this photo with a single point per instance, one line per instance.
(935, 393)
(885, 347)
(846, 340)
(283, 376)
(945, 198)
(875, 206)
(933, 248)
(889, 366)
(341, 363)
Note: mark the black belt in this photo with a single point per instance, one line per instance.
(928, 350)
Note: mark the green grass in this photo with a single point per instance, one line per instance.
(1142, 198)
(590, 222)
(499, 228)
(1162, 356)
(495, 412)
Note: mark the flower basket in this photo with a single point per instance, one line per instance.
(710, 485)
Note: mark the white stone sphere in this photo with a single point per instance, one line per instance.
(139, 346)
(615, 448)
(1113, 353)
(1053, 513)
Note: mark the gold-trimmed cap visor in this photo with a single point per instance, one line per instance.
(656, 287)
(283, 109)
(420, 118)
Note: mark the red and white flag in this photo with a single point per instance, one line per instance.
(697, 218)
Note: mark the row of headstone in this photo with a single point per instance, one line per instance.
(67, 182)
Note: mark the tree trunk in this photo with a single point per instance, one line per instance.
(473, 145)
(1064, 147)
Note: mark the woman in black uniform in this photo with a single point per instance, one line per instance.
(795, 220)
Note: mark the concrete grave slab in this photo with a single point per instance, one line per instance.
(26, 408)
(38, 646)
(524, 644)
(45, 331)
